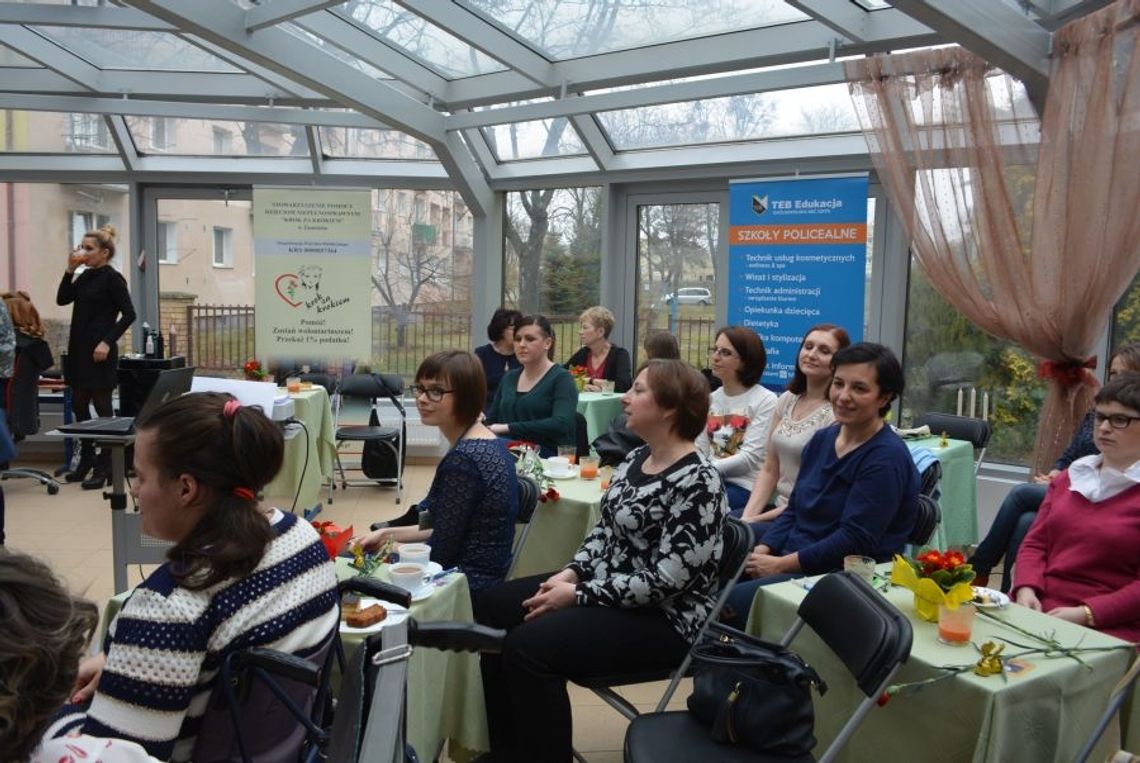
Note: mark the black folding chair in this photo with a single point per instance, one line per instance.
(371, 388)
(974, 431)
(929, 517)
(528, 502)
(865, 631)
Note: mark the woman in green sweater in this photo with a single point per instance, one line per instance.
(536, 402)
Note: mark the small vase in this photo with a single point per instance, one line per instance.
(926, 609)
(580, 383)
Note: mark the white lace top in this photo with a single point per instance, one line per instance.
(789, 438)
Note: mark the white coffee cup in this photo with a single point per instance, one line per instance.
(415, 553)
(558, 464)
(408, 576)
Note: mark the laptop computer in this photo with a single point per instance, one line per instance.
(171, 382)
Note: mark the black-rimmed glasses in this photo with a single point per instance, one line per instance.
(434, 394)
(1115, 420)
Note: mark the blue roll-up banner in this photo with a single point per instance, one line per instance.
(797, 256)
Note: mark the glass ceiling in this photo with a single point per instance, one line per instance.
(498, 93)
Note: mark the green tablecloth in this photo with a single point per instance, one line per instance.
(599, 410)
(959, 499)
(1043, 714)
(558, 527)
(445, 689)
(312, 407)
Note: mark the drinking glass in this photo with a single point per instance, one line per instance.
(863, 566)
(607, 386)
(569, 452)
(293, 384)
(589, 468)
(955, 625)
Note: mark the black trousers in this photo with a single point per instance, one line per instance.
(528, 709)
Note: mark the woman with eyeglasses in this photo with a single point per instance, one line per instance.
(536, 402)
(1018, 509)
(1079, 561)
(102, 312)
(473, 498)
(740, 412)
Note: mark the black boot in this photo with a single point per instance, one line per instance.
(101, 474)
(86, 462)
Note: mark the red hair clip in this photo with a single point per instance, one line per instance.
(244, 493)
(230, 408)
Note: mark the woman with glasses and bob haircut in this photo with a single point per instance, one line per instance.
(473, 498)
(1079, 561)
(740, 412)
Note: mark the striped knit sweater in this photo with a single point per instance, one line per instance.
(167, 644)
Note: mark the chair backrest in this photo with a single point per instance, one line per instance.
(373, 386)
(737, 545)
(929, 516)
(973, 431)
(866, 632)
(929, 479)
(528, 499)
(581, 435)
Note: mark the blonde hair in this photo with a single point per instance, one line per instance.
(105, 236)
(599, 317)
(25, 316)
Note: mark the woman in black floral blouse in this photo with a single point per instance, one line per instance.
(635, 594)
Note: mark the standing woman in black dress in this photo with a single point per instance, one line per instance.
(102, 312)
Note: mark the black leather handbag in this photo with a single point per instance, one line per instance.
(754, 693)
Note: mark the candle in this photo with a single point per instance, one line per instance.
(985, 406)
(973, 402)
(959, 401)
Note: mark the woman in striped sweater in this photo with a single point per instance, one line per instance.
(239, 575)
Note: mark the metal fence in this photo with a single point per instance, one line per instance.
(220, 338)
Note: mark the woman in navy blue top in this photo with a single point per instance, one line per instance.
(857, 490)
(473, 499)
(498, 356)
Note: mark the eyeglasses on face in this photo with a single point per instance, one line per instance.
(434, 394)
(723, 352)
(1115, 420)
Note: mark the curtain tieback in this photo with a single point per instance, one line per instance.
(1068, 373)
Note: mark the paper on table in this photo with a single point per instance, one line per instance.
(256, 393)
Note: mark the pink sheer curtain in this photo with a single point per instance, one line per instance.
(1031, 228)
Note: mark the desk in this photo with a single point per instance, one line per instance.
(959, 499)
(599, 410)
(558, 527)
(445, 689)
(311, 406)
(1044, 714)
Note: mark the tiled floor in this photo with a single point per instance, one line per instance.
(72, 531)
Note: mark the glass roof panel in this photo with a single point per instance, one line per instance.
(444, 52)
(366, 143)
(803, 111)
(210, 137)
(9, 57)
(134, 49)
(338, 53)
(562, 29)
(534, 140)
(51, 132)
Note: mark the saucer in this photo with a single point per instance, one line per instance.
(424, 592)
(561, 475)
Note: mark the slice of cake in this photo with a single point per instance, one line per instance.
(363, 618)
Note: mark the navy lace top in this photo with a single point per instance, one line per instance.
(473, 502)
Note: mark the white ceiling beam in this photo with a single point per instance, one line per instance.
(477, 144)
(35, 47)
(847, 19)
(594, 140)
(182, 110)
(474, 30)
(261, 16)
(123, 142)
(995, 31)
(758, 82)
(102, 17)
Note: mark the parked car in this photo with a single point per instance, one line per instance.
(691, 296)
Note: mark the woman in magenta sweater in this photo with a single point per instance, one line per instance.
(1079, 561)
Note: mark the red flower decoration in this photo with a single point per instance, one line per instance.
(552, 494)
(952, 560)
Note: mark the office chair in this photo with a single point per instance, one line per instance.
(863, 629)
(369, 388)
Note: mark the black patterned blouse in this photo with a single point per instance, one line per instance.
(658, 542)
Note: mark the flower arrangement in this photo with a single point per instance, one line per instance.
(581, 377)
(528, 464)
(253, 370)
(936, 578)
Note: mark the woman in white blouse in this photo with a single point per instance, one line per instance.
(800, 412)
(739, 413)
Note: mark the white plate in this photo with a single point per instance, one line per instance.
(566, 475)
(994, 599)
(396, 613)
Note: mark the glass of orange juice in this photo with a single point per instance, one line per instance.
(588, 468)
(569, 452)
(293, 384)
(955, 625)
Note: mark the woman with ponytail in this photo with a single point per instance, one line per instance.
(239, 575)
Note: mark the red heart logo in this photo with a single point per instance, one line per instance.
(290, 282)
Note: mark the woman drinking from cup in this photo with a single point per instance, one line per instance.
(800, 412)
(239, 575)
(102, 312)
(473, 497)
(602, 359)
(740, 413)
(637, 592)
(1079, 561)
(536, 402)
(857, 489)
